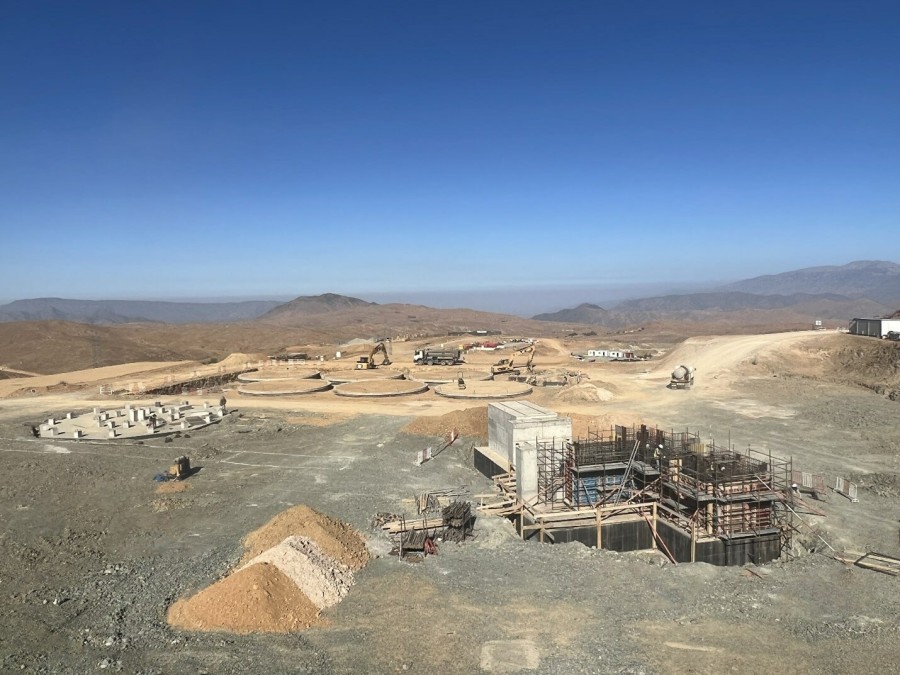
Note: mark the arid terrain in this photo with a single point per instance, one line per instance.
(95, 554)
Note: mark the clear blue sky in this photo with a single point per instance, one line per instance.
(207, 149)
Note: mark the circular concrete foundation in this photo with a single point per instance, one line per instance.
(342, 376)
(487, 389)
(282, 373)
(284, 387)
(436, 375)
(374, 388)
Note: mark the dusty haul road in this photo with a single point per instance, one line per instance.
(93, 554)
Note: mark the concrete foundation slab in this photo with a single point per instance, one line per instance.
(380, 388)
(284, 387)
(485, 390)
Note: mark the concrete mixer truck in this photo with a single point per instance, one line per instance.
(682, 378)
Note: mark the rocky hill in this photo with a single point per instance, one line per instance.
(837, 293)
(876, 280)
(307, 305)
(129, 311)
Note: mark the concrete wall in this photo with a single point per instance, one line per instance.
(515, 428)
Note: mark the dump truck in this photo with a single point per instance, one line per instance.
(682, 378)
(431, 356)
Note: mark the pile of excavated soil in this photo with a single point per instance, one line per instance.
(172, 486)
(471, 422)
(297, 564)
(321, 579)
(582, 424)
(258, 598)
(584, 393)
(239, 360)
(336, 539)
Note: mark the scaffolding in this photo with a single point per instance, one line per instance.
(551, 462)
(724, 493)
(704, 501)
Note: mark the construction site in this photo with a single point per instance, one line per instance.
(630, 489)
(364, 522)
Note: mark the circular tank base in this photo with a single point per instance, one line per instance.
(284, 387)
(374, 388)
(486, 389)
(282, 373)
(342, 376)
(438, 375)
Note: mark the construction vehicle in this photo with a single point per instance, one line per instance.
(509, 365)
(682, 378)
(368, 362)
(430, 356)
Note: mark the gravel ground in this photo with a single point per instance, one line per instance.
(93, 556)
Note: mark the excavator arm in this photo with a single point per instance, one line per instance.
(367, 362)
(509, 365)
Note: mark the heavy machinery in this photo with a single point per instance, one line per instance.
(682, 378)
(430, 356)
(368, 362)
(509, 365)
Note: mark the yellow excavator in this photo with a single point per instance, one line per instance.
(368, 362)
(504, 366)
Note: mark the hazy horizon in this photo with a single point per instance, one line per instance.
(361, 147)
(525, 302)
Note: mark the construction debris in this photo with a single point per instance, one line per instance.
(872, 561)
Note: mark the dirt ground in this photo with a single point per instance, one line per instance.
(94, 555)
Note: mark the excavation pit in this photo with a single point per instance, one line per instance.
(374, 388)
(284, 387)
(278, 373)
(485, 389)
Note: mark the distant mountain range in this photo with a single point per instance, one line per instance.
(133, 311)
(863, 288)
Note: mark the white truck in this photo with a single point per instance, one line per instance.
(437, 356)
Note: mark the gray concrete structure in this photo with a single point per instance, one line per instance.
(515, 431)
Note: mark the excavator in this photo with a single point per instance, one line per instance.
(509, 365)
(368, 362)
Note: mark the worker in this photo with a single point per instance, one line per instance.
(35, 432)
(222, 403)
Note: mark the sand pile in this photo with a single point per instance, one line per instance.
(319, 576)
(239, 359)
(296, 565)
(469, 422)
(585, 393)
(582, 424)
(336, 539)
(258, 598)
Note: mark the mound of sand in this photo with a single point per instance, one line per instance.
(336, 539)
(583, 424)
(239, 359)
(297, 564)
(584, 393)
(258, 598)
(469, 422)
(320, 577)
